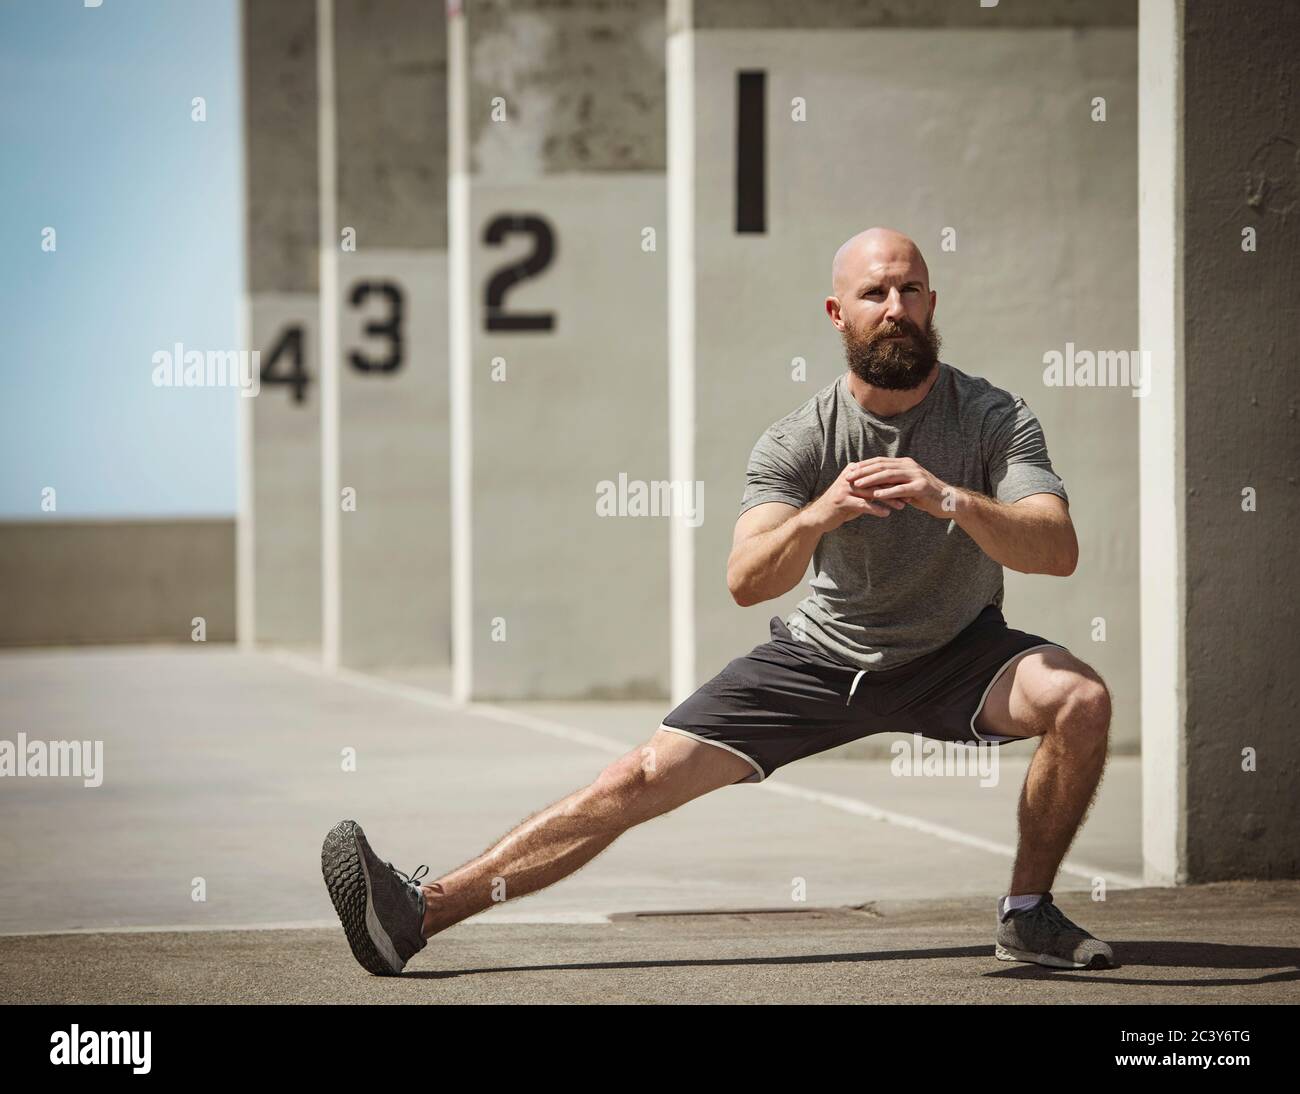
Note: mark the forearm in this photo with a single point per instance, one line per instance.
(1026, 538)
(771, 563)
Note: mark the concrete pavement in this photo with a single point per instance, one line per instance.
(223, 770)
(1227, 943)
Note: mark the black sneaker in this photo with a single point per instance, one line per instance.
(382, 909)
(1042, 934)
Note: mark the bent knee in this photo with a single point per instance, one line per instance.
(1078, 701)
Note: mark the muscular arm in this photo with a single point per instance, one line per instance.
(1033, 535)
(770, 552)
(774, 542)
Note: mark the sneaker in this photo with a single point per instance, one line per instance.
(382, 909)
(1044, 935)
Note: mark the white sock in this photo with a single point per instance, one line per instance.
(1019, 903)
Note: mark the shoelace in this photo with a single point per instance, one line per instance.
(1058, 917)
(411, 879)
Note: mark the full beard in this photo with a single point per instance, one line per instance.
(894, 364)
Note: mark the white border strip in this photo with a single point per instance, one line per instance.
(460, 360)
(245, 538)
(245, 553)
(1160, 445)
(681, 337)
(329, 336)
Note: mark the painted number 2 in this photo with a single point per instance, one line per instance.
(496, 315)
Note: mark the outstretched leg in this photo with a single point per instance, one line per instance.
(653, 779)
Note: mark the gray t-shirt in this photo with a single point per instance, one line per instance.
(887, 590)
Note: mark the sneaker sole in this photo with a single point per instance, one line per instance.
(348, 881)
(1003, 953)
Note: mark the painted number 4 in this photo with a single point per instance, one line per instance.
(285, 363)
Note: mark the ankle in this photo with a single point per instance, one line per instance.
(1018, 902)
(435, 910)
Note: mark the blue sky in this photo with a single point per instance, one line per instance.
(97, 141)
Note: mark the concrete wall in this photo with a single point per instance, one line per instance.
(280, 522)
(922, 129)
(775, 14)
(71, 582)
(394, 566)
(1241, 428)
(390, 73)
(279, 59)
(564, 603)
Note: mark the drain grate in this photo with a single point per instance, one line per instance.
(755, 915)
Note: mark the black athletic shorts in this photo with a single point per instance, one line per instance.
(788, 699)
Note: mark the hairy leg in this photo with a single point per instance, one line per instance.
(667, 771)
(1052, 694)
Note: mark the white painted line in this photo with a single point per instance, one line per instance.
(952, 835)
(245, 557)
(1161, 511)
(331, 591)
(442, 702)
(460, 317)
(854, 806)
(681, 339)
(245, 540)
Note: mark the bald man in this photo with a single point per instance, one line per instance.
(908, 485)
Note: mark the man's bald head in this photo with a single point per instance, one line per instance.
(872, 251)
(883, 307)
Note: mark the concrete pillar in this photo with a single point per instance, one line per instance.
(1220, 512)
(279, 575)
(790, 129)
(385, 460)
(558, 333)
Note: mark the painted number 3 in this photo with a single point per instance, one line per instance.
(389, 327)
(285, 362)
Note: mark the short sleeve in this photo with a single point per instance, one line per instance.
(1018, 463)
(775, 474)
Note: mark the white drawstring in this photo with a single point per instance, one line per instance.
(860, 675)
